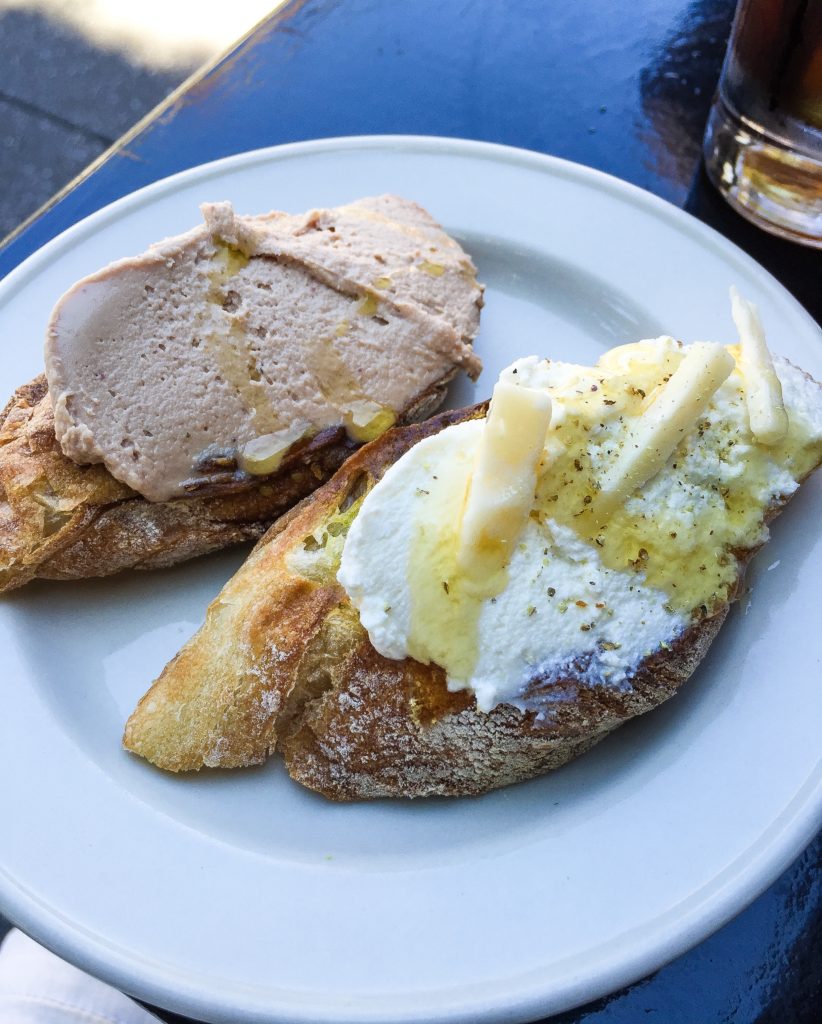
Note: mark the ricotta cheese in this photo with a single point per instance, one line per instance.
(585, 597)
(561, 608)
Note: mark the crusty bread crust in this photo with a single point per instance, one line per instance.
(266, 638)
(282, 661)
(61, 521)
(391, 728)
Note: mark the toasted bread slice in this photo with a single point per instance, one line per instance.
(62, 520)
(283, 662)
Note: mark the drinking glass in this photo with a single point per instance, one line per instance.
(763, 143)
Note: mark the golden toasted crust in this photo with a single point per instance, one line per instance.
(62, 521)
(282, 661)
(388, 728)
(220, 701)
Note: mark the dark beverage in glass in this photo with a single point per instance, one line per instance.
(763, 144)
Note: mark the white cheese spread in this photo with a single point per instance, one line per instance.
(583, 598)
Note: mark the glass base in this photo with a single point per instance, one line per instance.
(776, 187)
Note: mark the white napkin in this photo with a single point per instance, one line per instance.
(36, 987)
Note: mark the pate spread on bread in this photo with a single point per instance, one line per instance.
(462, 607)
(197, 391)
(209, 356)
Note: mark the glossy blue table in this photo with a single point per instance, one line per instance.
(621, 87)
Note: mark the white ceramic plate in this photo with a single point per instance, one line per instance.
(238, 896)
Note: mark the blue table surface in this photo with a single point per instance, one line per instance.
(623, 87)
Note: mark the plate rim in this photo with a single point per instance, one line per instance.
(127, 972)
(499, 152)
